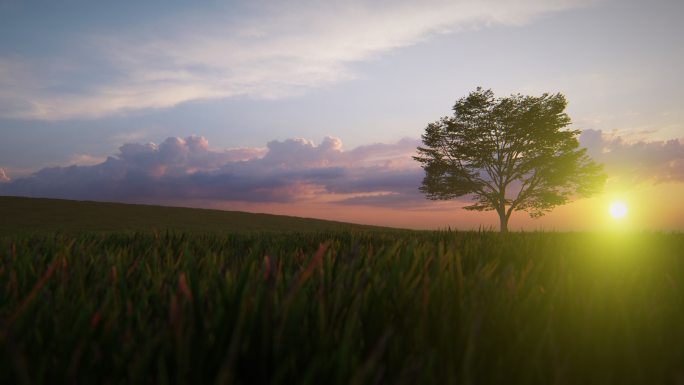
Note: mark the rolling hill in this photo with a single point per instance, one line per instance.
(19, 214)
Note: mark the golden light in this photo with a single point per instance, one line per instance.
(618, 210)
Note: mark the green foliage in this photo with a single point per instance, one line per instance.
(341, 307)
(509, 153)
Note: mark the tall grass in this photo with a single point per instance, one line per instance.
(342, 308)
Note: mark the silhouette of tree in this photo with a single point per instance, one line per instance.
(509, 154)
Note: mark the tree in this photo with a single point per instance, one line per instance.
(508, 154)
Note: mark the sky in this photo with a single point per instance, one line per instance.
(314, 109)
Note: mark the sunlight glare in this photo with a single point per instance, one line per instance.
(618, 210)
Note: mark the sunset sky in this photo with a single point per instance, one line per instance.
(314, 109)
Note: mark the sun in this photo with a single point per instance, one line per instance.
(618, 210)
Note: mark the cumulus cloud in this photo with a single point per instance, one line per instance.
(299, 170)
(639, 161)
(298, 153)
(270, 50)
(181, 169)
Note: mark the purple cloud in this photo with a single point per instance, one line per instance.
(654, 161)
(296, 170)
(182, 169)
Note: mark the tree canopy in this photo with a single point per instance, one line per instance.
(509, 154)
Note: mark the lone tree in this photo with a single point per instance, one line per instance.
(509, 154)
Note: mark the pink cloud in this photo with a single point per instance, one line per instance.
(293, 170)
(3, 177)
(636, 162)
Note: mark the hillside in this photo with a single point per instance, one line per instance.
(19, 214)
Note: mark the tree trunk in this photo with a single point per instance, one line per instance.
(503, 220)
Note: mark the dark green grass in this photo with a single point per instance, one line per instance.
(342, 307)
(19, 214)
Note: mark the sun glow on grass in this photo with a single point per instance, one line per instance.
(618, 210)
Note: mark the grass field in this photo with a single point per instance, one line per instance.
(340, 306)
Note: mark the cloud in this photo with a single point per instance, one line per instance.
(636, 162)
(299, 171)
(3, 177)
(86, 160)
(183, 169)
(255, 50)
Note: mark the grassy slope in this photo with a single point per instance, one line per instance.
(28, 214)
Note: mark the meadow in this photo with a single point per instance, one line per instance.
(340, 306)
